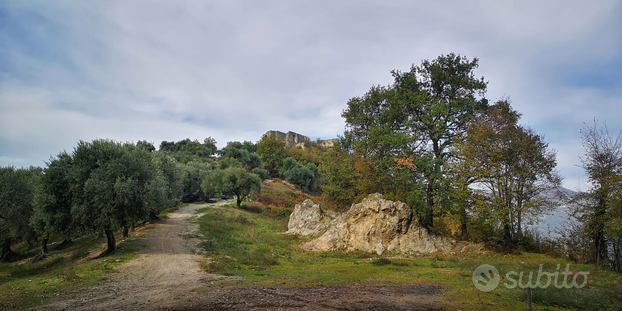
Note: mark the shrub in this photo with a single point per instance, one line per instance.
(262, 173)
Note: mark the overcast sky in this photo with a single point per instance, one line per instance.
(169, 70)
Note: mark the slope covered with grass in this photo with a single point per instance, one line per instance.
(250, 244)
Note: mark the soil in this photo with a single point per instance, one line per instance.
(167, 276)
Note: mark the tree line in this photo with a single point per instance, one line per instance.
(104, 186)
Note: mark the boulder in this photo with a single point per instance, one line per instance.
(309, 218)
(378, 225)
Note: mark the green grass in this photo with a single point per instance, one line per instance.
(25, 285)
(252, 246)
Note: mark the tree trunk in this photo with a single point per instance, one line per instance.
(519, 228)
(238, 201)
(126, 232)
(429, 212)
(507, 233)
(112, 243)
(465, 236)
(7, 253)
(599, 234)
(44, 246)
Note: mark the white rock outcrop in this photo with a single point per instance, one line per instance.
(309, 218)
(378, 225)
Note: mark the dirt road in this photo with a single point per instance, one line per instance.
(166, 273)
(166, 276)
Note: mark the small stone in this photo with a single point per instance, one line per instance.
(118, 260)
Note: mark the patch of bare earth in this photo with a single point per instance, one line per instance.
(370, 297)
(167, 270)
(167, 276)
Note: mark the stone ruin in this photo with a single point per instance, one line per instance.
(294, 139)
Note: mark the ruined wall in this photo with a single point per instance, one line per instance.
(294, 139)
(290, 138)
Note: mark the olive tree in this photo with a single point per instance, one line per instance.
(52, 213)
(232, 181)
(17, 191)
(110, 186)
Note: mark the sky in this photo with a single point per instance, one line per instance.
(232, 70)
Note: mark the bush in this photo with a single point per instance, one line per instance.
(262, 173)
(300, 175)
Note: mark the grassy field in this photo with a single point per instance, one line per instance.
(24, 284)
(252, 245)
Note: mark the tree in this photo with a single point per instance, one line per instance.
(438, 100)
(210, 145)
(53, 201)
(187, 150)
(110, 186)
(232, 181)
(240, 152)
(271, 150)
(600, 208)
(262, 173)
(249, 146)
(147, 145)
(167, 184)
(17, 191)
(300, 175)
(416, 119)
(375, 138)
(227, 162)
(510, 169)
(192, 175)
(338, 171)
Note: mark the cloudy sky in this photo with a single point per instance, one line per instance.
(169, 70)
